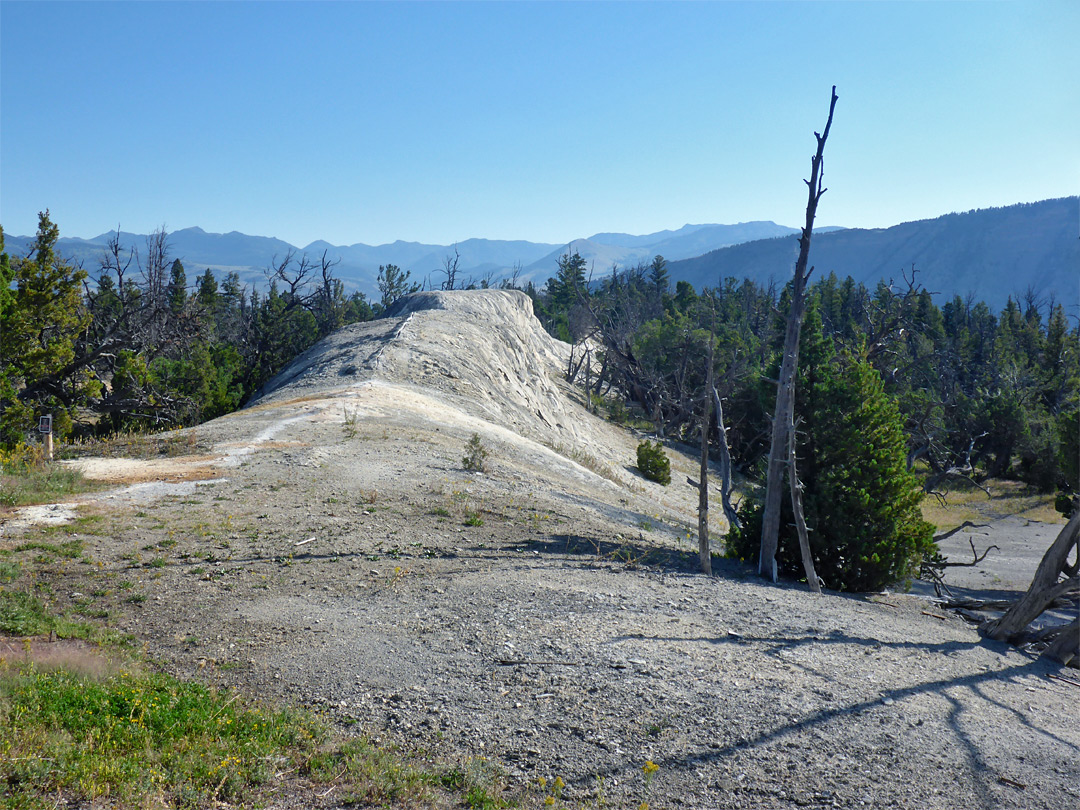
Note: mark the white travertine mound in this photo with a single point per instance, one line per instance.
(481, 352)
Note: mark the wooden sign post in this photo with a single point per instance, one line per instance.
(45, 429)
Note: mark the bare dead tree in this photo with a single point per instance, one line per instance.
(155, 267)
(329, 298)
(117, 261)
(125, 316)
(294, 274)
(785, 393)
(959, 468)
(886, 322)
(800, 521)
(450, 270)
(511, 283)
(725, 463)
(704, 554)
(933, 565)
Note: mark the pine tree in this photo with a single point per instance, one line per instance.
(568, 283)
(13, 414)
(176, 292)
(861, 502)
(207, 293)
(43, 321)
(658, 276)
(393, 283)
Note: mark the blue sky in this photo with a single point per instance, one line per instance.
(370, 122)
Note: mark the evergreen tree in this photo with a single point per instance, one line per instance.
(393, 283)
(7, 275)
(658, 276)
(357, 308)
(685, 296)
(13, 414)
(176, 291)
(207, 293)
(568, 283)
(44, 320)
(861, 502)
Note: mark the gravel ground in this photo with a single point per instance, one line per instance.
(546, 615)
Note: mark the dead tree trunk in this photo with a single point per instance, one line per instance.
(1066, 647)
(1046, 586)
(725, 464)
(785, 393)
(588, 382)
(703, 486)
(800, 521)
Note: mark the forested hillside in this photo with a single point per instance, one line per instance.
(990, 254)
(980, 393)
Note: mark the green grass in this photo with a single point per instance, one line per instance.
(69, 550)
(22, 614)
(138, 739)
(25, 485)
(132, 739)
(9, 570)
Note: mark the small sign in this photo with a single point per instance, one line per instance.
(45, 425)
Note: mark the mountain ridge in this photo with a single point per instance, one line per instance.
(479, 258)
(991, 252)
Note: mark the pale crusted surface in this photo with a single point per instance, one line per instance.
(569, 634)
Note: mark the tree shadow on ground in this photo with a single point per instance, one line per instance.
(949, 690)
(628, 551)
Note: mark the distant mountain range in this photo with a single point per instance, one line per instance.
(992, 253)
(358, 264)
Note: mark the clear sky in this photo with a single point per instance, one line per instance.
(372, 122)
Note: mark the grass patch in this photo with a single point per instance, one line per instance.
(1043, 512)
(966, 502)
(947, 515)
(586, 460)
(368, 775)
(69, 550)
(9, 570)
(22, 614)
(138, 445)
(138, 739)
(29, 484)
(135, 740)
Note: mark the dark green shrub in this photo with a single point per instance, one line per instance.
(653, 462)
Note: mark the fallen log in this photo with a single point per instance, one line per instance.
(1047, 586)
(1066, 647)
